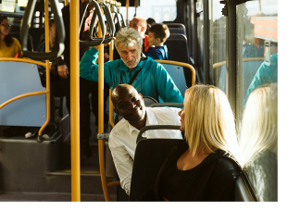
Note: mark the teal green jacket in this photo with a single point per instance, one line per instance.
(265, 74)
(153, 79)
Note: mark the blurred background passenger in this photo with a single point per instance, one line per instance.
(9, 46)
(157, 36)
(258, 142)
(266, 73)
(203, 168)
(150, 22)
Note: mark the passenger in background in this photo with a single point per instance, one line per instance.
(140, 25)
(150, 22)
(86, 86)
(157, 36)
(58, 70)
(266, 73)
(146, 75)
(122, 140)
(9, 46)
(258, 142)
(203, 168)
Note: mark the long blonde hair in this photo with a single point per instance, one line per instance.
(209, 121)
(259, 125)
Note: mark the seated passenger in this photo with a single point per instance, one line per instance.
(9, 46)
(147, 76)
(259, 142)
(140, 25)
(122, 139)
(203, 168)
(157, 36)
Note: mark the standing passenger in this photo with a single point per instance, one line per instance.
(147, 76)
(157, 36)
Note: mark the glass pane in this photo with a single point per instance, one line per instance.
(200, 33)
(158, 10)
(217, 47)
(256, 112)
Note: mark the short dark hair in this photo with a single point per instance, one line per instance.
(161, 31)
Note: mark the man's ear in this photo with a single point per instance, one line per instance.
(142, 98)
(143, 29)
(117, 111)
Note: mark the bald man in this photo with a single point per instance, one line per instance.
(122, 140)
(140, 25)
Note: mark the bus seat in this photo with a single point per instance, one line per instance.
(149, 157)
(176, 28)
(177, 36)
(18, 78)
(178, 48)
(177, 73)
(148, 100)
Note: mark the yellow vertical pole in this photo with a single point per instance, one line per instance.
(111, 57)
(74, 101)
(127, 7)
(101, 116)
(47, 69)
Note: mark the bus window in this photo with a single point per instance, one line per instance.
(257, 59)
(217, 46)
(158, 10)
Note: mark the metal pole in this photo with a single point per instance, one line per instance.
(74, 104)
(231, 55)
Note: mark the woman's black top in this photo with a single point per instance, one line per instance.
(212, 180)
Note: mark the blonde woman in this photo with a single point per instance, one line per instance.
(258, 141)
(202, 168)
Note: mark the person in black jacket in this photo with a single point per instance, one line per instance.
(203, 168)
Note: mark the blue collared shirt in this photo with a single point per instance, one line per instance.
(153, 79)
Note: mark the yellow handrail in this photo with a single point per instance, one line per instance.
(74, 101)
(22, 96)
(25, 60)
(111, 57)
(218, 64)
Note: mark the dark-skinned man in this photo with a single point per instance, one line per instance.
(122, 140)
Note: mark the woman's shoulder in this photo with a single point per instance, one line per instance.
(16, 41)
(226, 161)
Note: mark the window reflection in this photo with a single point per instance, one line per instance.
(258, 142)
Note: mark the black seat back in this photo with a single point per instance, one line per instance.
(176, 28)
(149, 157)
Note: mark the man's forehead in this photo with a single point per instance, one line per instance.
(131, 45)
(126, 92)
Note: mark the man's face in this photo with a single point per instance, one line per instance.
(131, 56)
(135, 25)
(130, 105)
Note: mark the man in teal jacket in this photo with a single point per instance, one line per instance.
(265, 74)
(151, 78)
